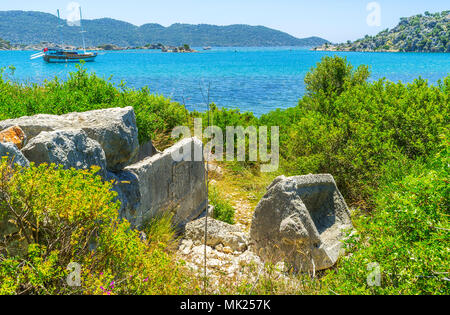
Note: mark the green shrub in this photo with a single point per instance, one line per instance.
(407, 235)
(52, 217)
(333, 75)
(223, 210)
(353, 135)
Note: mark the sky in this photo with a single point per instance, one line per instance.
(334, 20)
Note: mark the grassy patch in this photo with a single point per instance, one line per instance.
(223, 210)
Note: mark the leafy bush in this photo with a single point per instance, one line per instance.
(52, 217)
(223, 117)
(332, 75)
(353, 135)
(407, 235)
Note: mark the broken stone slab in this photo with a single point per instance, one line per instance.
(301, 220)
(14, 135)
(69, 148)
(220, 234)
(114, 128)
(127, 187)
(167, 184)
(13, 154)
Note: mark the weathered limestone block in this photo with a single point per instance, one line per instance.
(69, 148)
(14, 135)
(115, 129)
(127, 187)
(168, 185)
(13, 153)
(301, 220)
(219, 234)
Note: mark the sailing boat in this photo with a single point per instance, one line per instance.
(60, 55)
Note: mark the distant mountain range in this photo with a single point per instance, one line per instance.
(429, 32)
(30, 27)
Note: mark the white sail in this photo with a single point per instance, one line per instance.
(74, 15)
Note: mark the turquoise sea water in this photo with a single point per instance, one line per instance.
(252, 79)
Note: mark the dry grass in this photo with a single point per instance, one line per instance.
(243, 188)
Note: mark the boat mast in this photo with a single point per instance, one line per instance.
(82, 31)
(60, 31)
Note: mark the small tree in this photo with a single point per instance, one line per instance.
(332, 75)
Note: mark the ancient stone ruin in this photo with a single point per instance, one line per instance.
(148, 182)
(301, 220)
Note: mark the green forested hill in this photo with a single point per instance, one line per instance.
(21, 27)
(420, 33)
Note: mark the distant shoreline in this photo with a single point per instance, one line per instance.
(334, 49)
(375, 51)
(107, 47)
(317, 49)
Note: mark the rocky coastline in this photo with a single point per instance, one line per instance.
(106, 47)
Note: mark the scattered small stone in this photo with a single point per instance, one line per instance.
(219, 233)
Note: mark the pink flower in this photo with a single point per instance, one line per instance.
(146, 279)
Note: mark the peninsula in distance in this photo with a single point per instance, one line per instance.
(30, 27)
(429, 32)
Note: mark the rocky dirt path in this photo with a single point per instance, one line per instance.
(242, 189)
(225, 265)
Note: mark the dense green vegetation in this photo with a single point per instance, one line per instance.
(44, 230)
(360, 131)
(356, 130)
(4, 45)
(407, 235)
(419, 33)
(387, 146)
(385, 143)
(21, 27)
